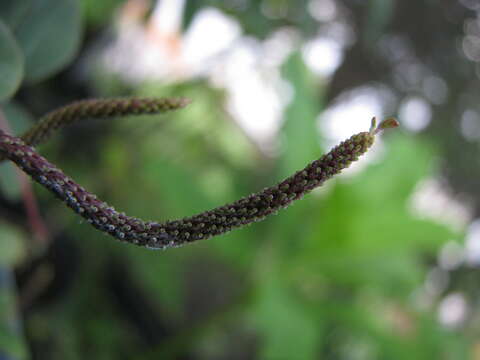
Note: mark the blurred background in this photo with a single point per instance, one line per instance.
(380, 263)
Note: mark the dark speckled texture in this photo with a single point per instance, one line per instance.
(217, 221)
(97, 109)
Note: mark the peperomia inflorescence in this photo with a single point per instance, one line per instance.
(247, 210)
(98, 108)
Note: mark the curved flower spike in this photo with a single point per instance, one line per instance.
(217, 221)
(97, 108)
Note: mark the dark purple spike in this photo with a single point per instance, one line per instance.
(252, 208)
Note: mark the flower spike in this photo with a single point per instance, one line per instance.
(98, 108)
(210, 223)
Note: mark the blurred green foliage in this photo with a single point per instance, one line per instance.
(43, 36)
(11, 65)
(37, 39)
(333, 277)
(12, 344)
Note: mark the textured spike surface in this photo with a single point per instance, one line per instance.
(98, 108)
(217, 221)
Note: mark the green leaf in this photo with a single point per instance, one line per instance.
(9, 181)
(11, 63)
(97, 13)
(301, 140)
(49, 36)
(19, 120)
(379, 15)
(11, 246)
(12, 12)
(12, 344)
(287, 331)
(299, 129)
(365, 224)
(179, 195)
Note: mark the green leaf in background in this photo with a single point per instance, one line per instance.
(364, 229)
(13, 11)
(301, 141)
(299, 129)
(179, 195)
(286, 329)
(11, 251)
(11, 63)
(380, 13)
(49, 35)
(12, 345)
(19, 120)
(11, 245)
(96, 12)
